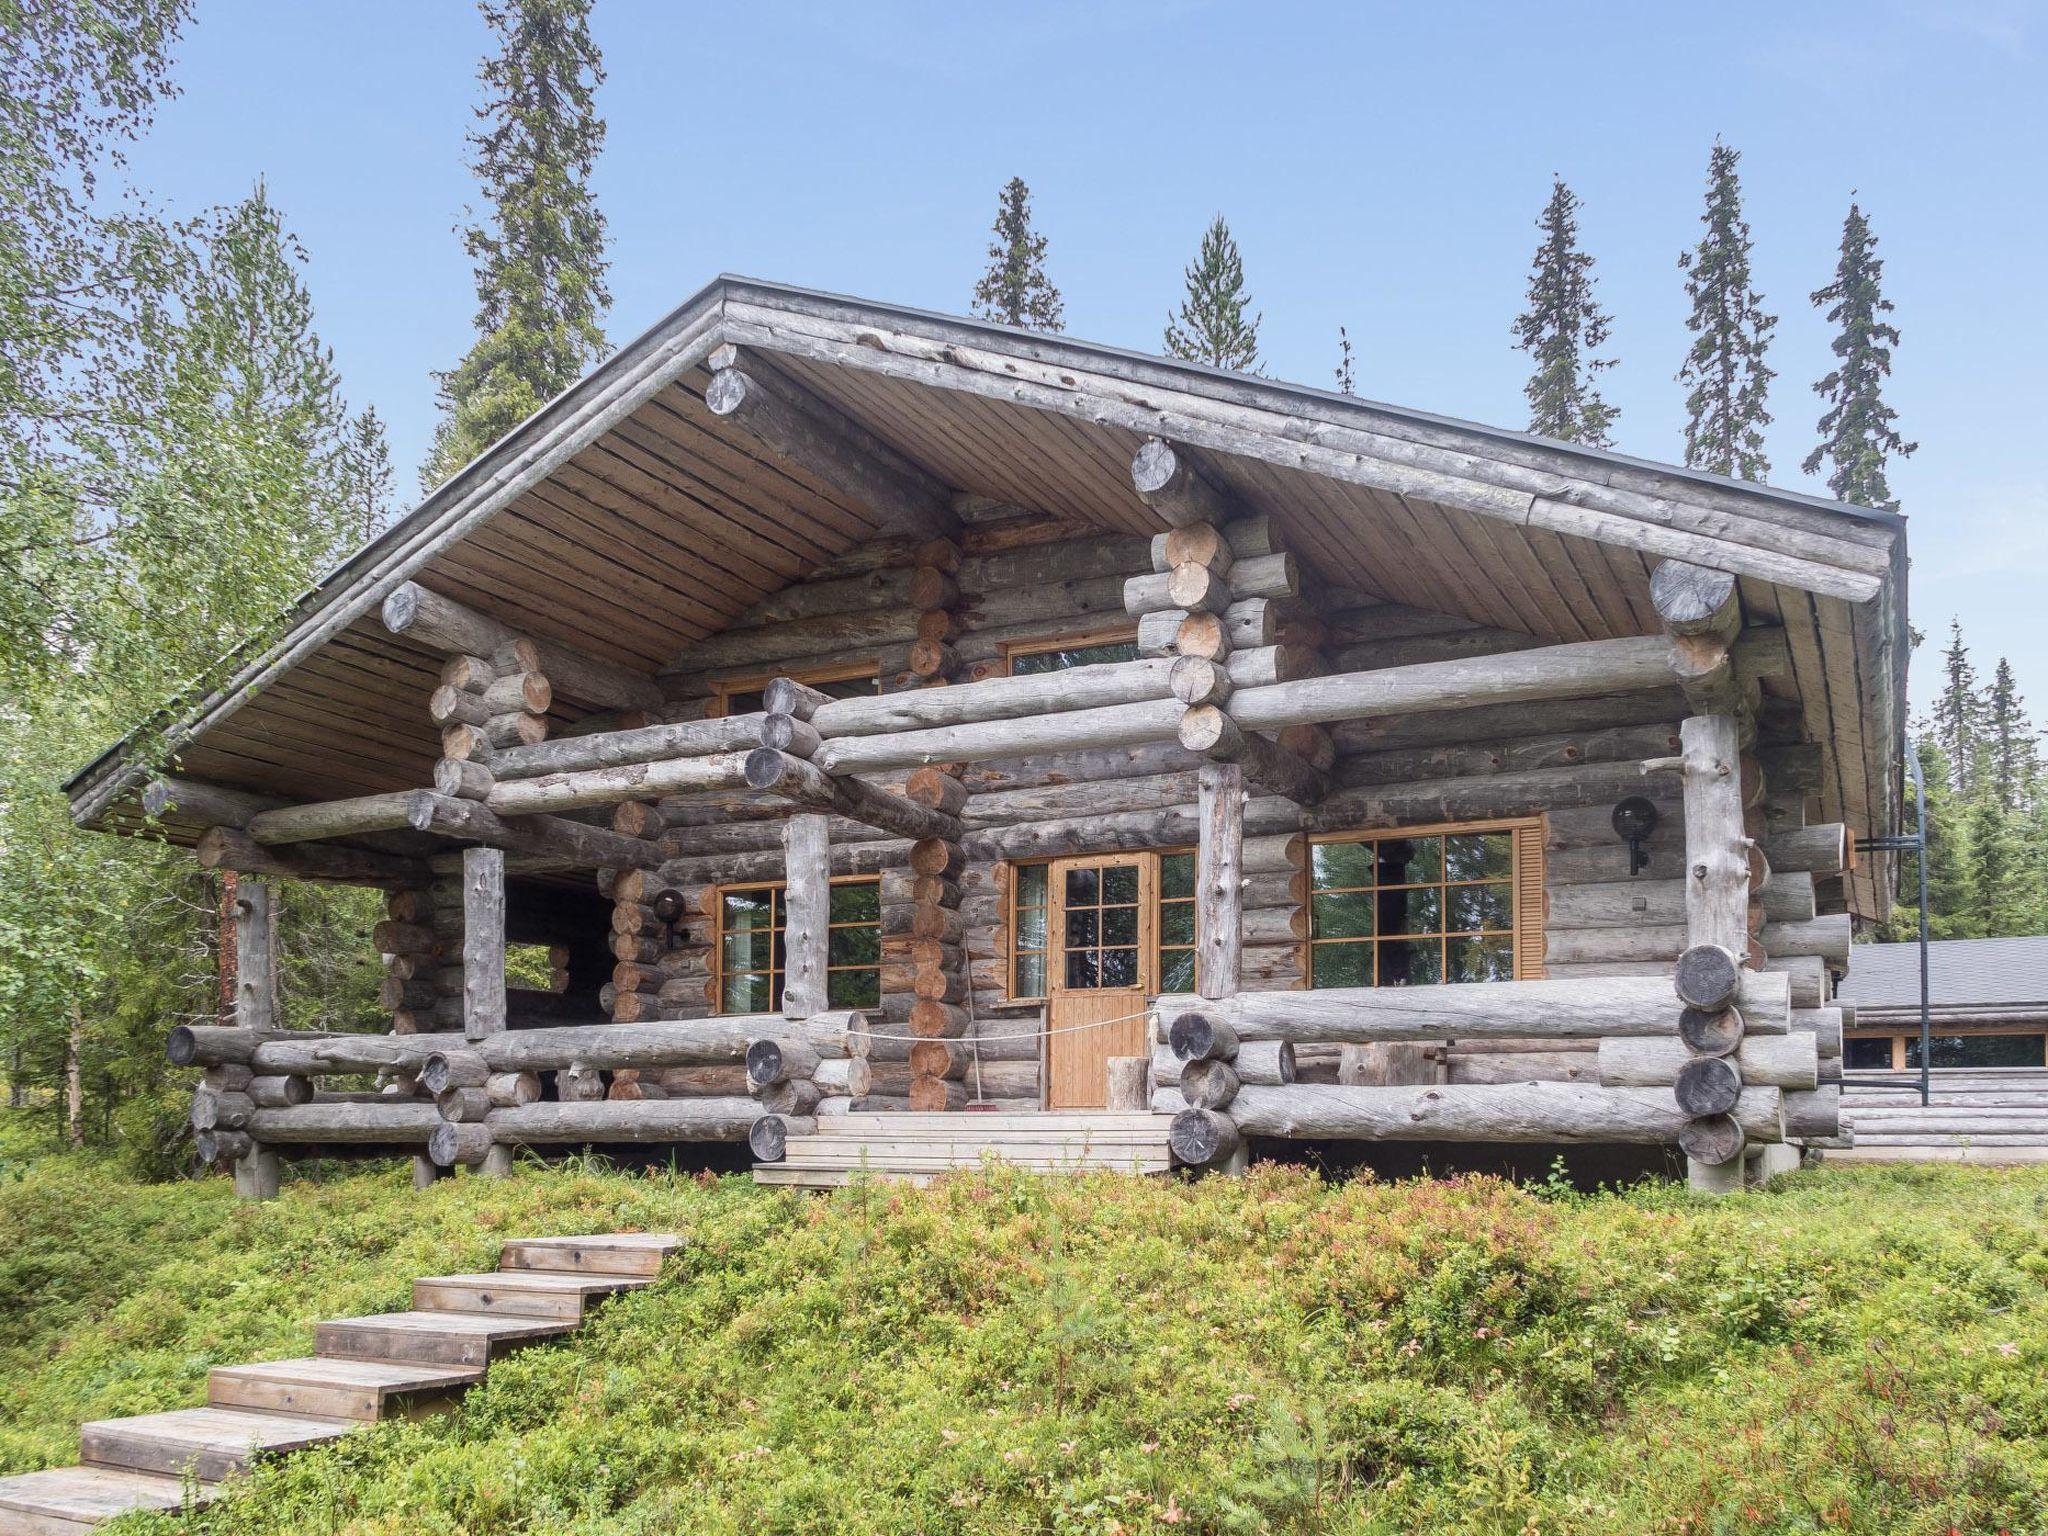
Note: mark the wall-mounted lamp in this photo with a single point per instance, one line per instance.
(1634, 820)
(668, 910)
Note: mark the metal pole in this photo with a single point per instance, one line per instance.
(1920, 831)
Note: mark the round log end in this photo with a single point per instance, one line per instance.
(401, 608)
(1206, 729)
(1197, 680)
(1711, 1031)
(1153, 467)
(766, 1064)
(1691, 599)
(1197, 1036)
(1200, 1137)
(1708, 977)
(768, 1139)
(453, 1143)
(727, 391)
(1712, 1139)
(181, 1046)
(1208, 1084)
(221, 1146)
(765, 768)
(1708, 1086)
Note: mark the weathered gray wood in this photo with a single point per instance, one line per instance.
(1692, 600)
(1219, 879)
(807, 911)
(1714, 1141)
(1646, 902)
(1576, 1008)
(255, 956)
(347, 1124)
(209, 805)
(610, 786)
(804, 431)
(1201, 1137)
(1533, 1113)
(1710, 978)
(1208, 1084)
(574, 843)
(440, 623)
(1168, 481)
(1119, 725)
(1822, 849)
(279, 1092)
(612, 1120)
(1389, 1064)
(613, 749)
(332, 818)
(1828, 936)
(1716, 851)
(1199, 1034)
(1815, 1113)
(1769, 1061)
(806, 783)
(483, 942)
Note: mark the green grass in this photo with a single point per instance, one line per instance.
(1864, 1350)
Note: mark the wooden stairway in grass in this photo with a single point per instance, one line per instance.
(916, 1148)
(362, 1369)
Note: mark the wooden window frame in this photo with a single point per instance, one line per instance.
(773, 971)
(724, 688)
(1121, 634)
(1527, 839)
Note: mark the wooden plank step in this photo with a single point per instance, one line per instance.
(829, 1178)
(618, 1253)
(970, 1157)
(435, 1338)
(519, 1293)
(338, 1388)
(58, 1501)
(206, 1443)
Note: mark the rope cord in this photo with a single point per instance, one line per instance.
(1039, 1034)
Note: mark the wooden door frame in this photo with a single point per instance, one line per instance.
(1146, 861)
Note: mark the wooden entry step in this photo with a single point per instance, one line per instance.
(362, 1369)
(916, 1148)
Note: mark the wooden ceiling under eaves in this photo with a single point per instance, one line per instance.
(672, 522)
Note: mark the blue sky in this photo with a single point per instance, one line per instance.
(1380, 165)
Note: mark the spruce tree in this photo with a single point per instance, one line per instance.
(540, 261)
(1959, 711)
(1725, 415)
(1015, 289)
(1999, 904)
(2012, 747)
(1949, 890)
(1858, 438)
(1562, 329)
(1210, 326)
(1346, 383)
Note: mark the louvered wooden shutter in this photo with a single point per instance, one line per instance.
(1529, 840)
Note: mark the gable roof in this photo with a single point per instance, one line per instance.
(1961, 973)
(625, 518)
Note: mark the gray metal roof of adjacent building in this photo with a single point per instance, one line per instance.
(1960, 973)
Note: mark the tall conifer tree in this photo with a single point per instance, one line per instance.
(1950, 899)
(1725, 414)
(1015, 289)
(2012, 747)
(1562, 330)
(1857, 431)
(1959, 711)
(1211, 326)
(540, 260)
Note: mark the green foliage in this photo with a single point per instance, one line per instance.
(540, 263)
(1725, 415)
(1858, 438)
(1855, 1351)
(1561, 330)
(1211, 326)
(1015, 289)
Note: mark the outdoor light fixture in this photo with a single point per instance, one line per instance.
(668, 909)
(1634, 820)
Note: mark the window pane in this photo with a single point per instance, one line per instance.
(1867, 1054)
(1411, 963)
(1084, 928)
(1978, 1051)
(1479, 856)
(850, 687)
(1120, 925)
(746, 952)
(1341, 965)
(854, 946)
(1081, 887)
(1032, 663)
(1413, 911)
(1031, 928)
(1119, 967)
(1030, 885)
(1335, 865)
(1479, 906)
(1177, 971)
(1176, 875)
(1410, 860)
(1081, 969)
(1030, 976)
(1482, 960)
(853, 989)
(858, 903)
(1345, 916)
(1177, 924)
(1120, 884)
(752, 702)
(746, 994)
(748, 909)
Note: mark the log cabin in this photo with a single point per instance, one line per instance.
(911, 737)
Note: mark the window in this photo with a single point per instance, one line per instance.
(1425, 905)
(743, 696)
(1978, 1051)
(1030, 901)
(1177, 922)
(1036, 657)
(751, 954)
(1867, 1053)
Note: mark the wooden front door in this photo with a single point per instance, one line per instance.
(1100, 965)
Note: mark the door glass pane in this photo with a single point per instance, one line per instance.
(1081, 887)
(1120, 925)
(1120, 884)
(1119, 967)
(1084, 928)
(1081, 970)
(1031, 928)
(1867, 1054)
(1031, 885)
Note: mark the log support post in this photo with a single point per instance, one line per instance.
(1219, 878)
(259, 1174)
(483, 942)
(255, 931)
(807, 913)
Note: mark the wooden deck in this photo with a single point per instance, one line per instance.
(1995, 1116)
(917, 1148)
(362, 1369)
